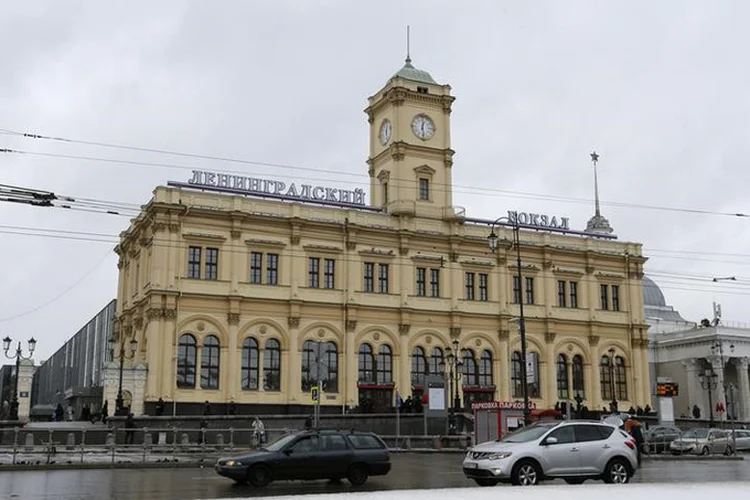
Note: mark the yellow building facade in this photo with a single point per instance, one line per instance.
(253, 299)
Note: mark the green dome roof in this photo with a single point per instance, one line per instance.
(409, 72)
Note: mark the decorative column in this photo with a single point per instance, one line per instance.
(236, 255)
(168, 341)
(594, 391)
(503, 373)
(551, 372)
(152, 353)
(294, 372)
(403, 377)
(636, 371)
(744, 388)
(695, 392)
(232, 373)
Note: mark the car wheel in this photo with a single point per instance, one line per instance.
(575, 480)
(728, 451)
(357, 474)
(483, 481)
(705, 451)
(617, 472)
(259, 476)
(526, 473)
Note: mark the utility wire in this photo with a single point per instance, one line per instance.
(318, 171)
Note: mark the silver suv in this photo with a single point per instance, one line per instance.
(573, 450)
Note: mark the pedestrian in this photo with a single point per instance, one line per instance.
(59, 412)
(206, 408)
(309, 422)
(160, 407)
(259, 432)
(129, 429)
(105, 412)
(232, 408)
(635, 431)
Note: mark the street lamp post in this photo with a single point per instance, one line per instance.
(18, 356)
(613, 403)
(718, 346)
(709, 382)
(119, 403)
(454, 362)
(493, 241)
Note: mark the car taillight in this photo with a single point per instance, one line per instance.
(630, 444)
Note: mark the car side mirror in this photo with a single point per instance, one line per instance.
(550, 440)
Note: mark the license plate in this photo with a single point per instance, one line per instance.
(470, 465)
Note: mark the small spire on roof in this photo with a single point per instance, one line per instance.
(408, 55)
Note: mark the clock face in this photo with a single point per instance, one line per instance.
(385, 132)
(423, 127)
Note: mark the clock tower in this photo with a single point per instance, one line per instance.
(410, 155)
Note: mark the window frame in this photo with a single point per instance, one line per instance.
(272, 269)
(424, 189)
(256, 268)
(194, 266)
(469, 292)
(186, 361)
(272, 365)
(383, 273)
(615, 293)
(484, 295)
(434, 282)
(250, 345)
(210, 363)
(421, 281)
(529, 291)
(313, 272)
(563, 383)
(573, 288)
(621, 379)
(212, 264)
(604, 297)
(368, 282)
(561, 294)
(578, 375)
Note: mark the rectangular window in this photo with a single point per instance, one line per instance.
(256, 267)
(385, 193)
(561, 294)
(330, 274)
(469, 285)
(212, 263)
(516, 290)
(573, 294)
(383, 278)
(272, 268)
(483, 292)
(194, 262)
(313, 272)
(615, 297)
(529, 290)
(421, 281)
(369, 284)
(604, 297)
(435, 282)
(424, 189)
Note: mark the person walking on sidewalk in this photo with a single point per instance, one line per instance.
(129, 429)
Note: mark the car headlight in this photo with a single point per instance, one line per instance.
(500, 455)
(233, 463)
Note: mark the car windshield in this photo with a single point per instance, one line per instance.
(696, 433)
(526, 434)
(280, 443)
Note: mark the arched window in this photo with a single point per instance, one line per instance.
(250, 365)
(578, 381)
(366, 365)
(469, 368)
(383, 367)
(621, 381)
(485, 369)
(418, 367)
(436, 360)
(605, 375)
(326, 369)
(532, 375)
(515, 375)
(186, 358)
(272, 366)
(210, 363)
(562, 377)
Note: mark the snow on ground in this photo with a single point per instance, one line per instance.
(587, 491)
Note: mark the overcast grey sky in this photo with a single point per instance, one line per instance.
(659, 89)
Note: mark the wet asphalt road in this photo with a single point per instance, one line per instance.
(409, 471)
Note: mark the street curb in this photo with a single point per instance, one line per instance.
(678, 458)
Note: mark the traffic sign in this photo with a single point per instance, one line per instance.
(314, 394)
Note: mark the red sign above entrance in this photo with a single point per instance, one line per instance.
(501, 405)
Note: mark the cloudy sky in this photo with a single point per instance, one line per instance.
(659, 89)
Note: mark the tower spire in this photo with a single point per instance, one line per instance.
(408, 48)
(598, 223)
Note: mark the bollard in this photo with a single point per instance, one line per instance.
(220, 441)
(231, 438)
(29, 446)
(110, 442)
(148, 440)
(184, 439)
(71, 443)
(162, 438)
(83, 443)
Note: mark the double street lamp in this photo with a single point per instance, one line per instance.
(18, 356)
(709, 382)
(119, 404)
(493, 241)
(454, 365)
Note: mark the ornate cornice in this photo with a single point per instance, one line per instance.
(351, 325)
(503, 334)
(593, 340)
(235, 235)
(455, 332)
(158, 227)
(293, 321)
(154, 313)
(403, 328)
(549, 337)
(233, 318)
(169, 314)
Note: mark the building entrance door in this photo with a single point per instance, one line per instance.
(376, 399)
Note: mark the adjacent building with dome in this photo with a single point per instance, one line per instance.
(697, 356)
(251, 290)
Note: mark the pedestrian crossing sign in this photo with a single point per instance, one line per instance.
(314, 394)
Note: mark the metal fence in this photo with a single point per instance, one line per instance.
(166, 445)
